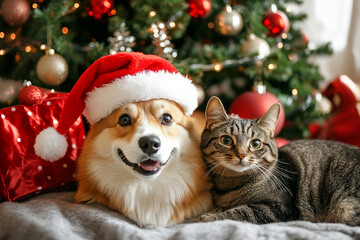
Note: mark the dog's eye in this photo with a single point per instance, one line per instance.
(124, 120)
(166, 119)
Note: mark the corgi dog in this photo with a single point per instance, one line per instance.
(144, 160)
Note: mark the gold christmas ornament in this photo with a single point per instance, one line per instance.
(255, 46)
(52, 69)
(228, 22)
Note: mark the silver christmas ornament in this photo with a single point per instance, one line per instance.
(52, 69)
(161, 40)
(255, 46)
(228, 22)
(122, 41)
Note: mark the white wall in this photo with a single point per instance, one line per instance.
(337, 21)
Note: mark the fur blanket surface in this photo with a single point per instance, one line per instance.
(56, 216)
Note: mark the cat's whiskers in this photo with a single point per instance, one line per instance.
(272, 182)
(282, 174)
(283, 162)
(213, 169)
(276, 180)
(285, 170)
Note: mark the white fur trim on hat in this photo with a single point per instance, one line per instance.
(50, 145)
(143, 86)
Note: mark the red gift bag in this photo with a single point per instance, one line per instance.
(22, 172)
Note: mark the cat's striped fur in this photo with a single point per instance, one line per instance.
(313, 180)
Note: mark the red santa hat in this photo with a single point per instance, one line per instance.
(109, 83)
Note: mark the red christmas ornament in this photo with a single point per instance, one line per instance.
(344, 124)
(199, 8)
(30, 95)
(276, 21)
(253, 105)
(98, 9)
(22, 172)
(281, 141)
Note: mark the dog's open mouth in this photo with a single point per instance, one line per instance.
(147, 167)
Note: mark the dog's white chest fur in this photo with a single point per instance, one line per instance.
(150, 201)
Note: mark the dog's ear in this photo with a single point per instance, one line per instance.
(215, 113)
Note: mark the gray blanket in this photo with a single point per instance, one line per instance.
(56, 216)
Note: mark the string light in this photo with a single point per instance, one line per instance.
(17, 57)
(2, 34)
(288, 9)
(272, 66)
(12, 36)
(28, 48)
(290, 56)
(172, 24)
(294, 92)
(217, 67)
(65, 30)
(34, 5)
(42, 47)
(152, 14)
(280, 45)
(2, 52)
(113, 12)
(284, 35)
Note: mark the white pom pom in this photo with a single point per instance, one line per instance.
(50, 145)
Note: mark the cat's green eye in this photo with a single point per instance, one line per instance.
(226, 140)
(255, 144)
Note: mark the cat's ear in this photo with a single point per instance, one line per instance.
(269, 120)
(215, 112)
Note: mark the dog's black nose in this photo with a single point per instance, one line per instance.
(149, 144)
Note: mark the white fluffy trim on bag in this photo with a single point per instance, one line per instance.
(50, 145)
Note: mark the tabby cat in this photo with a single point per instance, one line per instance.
(312, 180)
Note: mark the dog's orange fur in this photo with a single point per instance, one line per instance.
(180, 191)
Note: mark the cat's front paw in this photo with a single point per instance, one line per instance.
(210, 216)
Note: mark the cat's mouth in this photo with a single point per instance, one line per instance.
(147, 167)
(240, 166)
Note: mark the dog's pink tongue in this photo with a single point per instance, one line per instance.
(149, 165)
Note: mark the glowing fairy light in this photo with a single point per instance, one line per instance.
(272, 66)
(217, 67)
(65, 30)
(294, 92)
(172, 24)
(152, 14)
(28, 48)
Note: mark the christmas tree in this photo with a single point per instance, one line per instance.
(225, 47)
